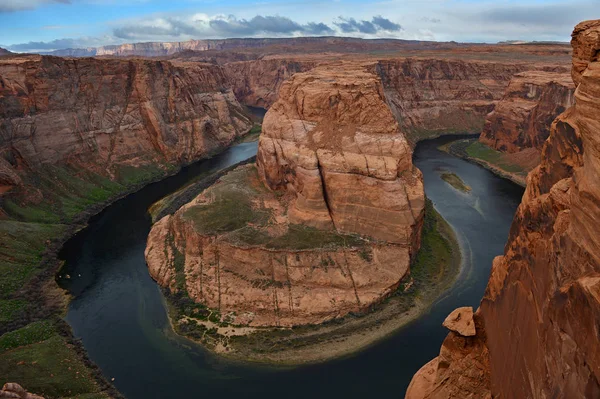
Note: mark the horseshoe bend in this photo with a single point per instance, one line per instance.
(315, 216)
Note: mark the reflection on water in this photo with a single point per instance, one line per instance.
(120, 314)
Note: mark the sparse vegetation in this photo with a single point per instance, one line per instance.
(455, 181)
(432, 271)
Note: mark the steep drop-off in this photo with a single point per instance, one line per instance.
(104, 116)
(332, 232)
(523, 117)
(538, 323)
(444, 95)
(257, 83)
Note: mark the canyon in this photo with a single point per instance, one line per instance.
(329, 219)
(334, 155)
(537, 325)
(107, 118)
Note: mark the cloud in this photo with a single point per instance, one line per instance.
(20, 5)
(350, 25)
(161, 27)
(386, 24)
(59, 44)
(265, 24)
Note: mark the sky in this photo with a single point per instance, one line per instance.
(44, 25)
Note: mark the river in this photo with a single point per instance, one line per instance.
(120, 315)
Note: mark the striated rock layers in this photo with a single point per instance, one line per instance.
(523, 117)
(333, 143)
(538, 323)
(257, 83)
(99, 114)
(323, 225)
(444, 95)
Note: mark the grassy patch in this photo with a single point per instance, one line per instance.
(481, 151)
(455, 181)
(434, 260)
(30, 334)
(231, 204)
(44, 363)
(11, 308)
(21, 249)
(297, 237)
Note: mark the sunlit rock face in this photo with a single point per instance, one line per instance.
(538, 323)
(332, 142)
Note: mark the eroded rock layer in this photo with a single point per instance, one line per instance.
(332, 141)
(324, 224)
(444, 95)
(523, 117)
(541, 309)
(98, 114)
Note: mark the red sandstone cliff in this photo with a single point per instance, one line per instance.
(332, 141)
(538, 323)
(444, 95)
(99, 114)
(257, 83)
(523, 117)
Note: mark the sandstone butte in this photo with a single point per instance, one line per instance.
(332, 157)
(522, 119)
(537, 325)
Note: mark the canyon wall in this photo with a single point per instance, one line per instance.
(444, 95)
(257, 83)
(522, 119)
(538, 323)
(101, 114)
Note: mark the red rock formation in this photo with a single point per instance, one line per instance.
(98, 114)
(332, 141)
(444, 95)
(541, 311)
(257, 83)
(15, 391)
(334, 157)
(256, 284)
(523, 117)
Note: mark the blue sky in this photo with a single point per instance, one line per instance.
(30, 25)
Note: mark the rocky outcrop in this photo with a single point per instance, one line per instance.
(15, 391)
(101, 114)
(461, 322)
(332, 142)
(259, 283)
(522, 119)
(541, 310)
(444, 95)
(324, 224)
(257, 83)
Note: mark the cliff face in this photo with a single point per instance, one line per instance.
(437, 95)
(332, 142)
(255, 274)
(99, 114)
(277, 244)
(257, 83)
(523, 117)
(539, 319)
